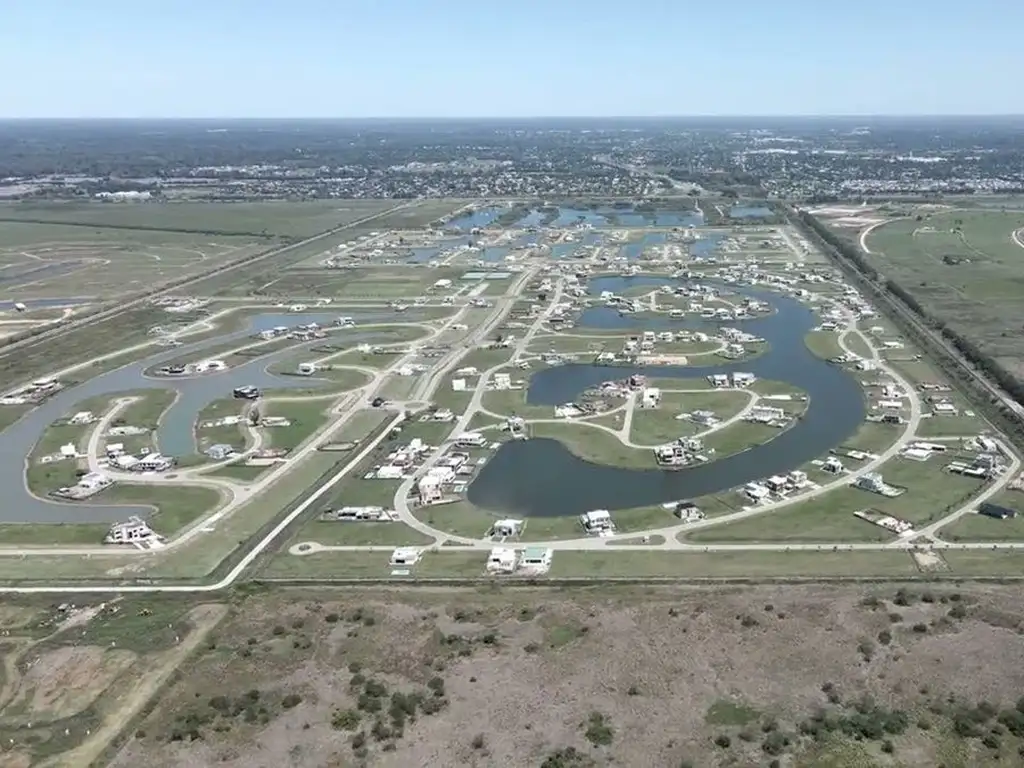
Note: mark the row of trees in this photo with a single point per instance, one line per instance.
(971, 352)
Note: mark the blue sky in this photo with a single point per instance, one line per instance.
(456, 58)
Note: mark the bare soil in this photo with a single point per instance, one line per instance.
(523, 674)
(64, 681)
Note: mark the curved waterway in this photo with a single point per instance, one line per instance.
(176, 430)
(541, 477)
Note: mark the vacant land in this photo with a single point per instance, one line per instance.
(357, 283)
(50, 260)
(272, 218)
(964, 267)
(804, 676)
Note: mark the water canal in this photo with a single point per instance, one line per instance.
(540, 477)
(176, 430)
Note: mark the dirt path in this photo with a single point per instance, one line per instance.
(205, 618)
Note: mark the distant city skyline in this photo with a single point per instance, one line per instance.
(225, 59)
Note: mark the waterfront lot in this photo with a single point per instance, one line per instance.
(931, 493)
(574, 676)
(964, 267)
(656, 426)
(50, 260)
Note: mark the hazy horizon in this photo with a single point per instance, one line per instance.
(399, 58)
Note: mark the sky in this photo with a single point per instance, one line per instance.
(528, 58)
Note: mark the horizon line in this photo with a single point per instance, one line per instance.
(432, 118)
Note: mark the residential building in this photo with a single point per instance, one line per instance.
(132, 530)
(405, 556)
(597, 521)
(502, 560)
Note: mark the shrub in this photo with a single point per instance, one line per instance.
(436, 684)
(332, 618)
(888, 747)
(291, 700)
(478, 741)
(723, 741)
(345, 719)
(920, 628)
(358, 740)
(958, 612)
(885, 637)
(598, 732)
(775, 743)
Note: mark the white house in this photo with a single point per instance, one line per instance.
(502, 381)
(650, 397)
(834, 465)
(597, 521)
(743, 379)
(765, 414)
(82, 417)
(405, 556)
(509, 527)
(536, 559)
(428, 488)
(132, 530)
(471, 440)
(502, 560)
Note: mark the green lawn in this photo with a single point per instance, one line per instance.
(230, 434)
(335, 533)
(977, 527)
(594, 445)
(177, 506)
(657, 426)
(823, 344)
(858, 344)
(739, 437)
(931, 493)
(873, 437)
(306, 418)
(963, 267)
(12, 535)
(281, 218)
(509, 402)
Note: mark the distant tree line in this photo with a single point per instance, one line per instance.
(850, 254)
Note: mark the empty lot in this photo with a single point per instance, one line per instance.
(964, 266)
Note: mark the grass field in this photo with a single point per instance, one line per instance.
(272, 218)
(306, 418)
(964, 267)
(380, 282)
(48, 260)
(594, 445)
(976, 527)
(824, 344)
(656, 426)
(739, 437)
(230, 434)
